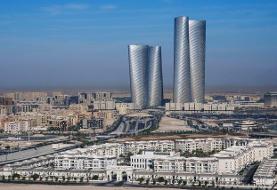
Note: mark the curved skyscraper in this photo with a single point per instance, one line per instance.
(197, 41)
(138, 63)
(181, 89)
(155, 77)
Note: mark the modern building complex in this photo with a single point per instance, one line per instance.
(185, 141)
(189, 66)
(156, 159)
(189, 60)
(145, 75)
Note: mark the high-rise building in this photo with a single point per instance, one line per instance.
(155, 77)
(189, 60)
(181, 86)
(146, 81)
(270, 99)
(138, 68)
(197, 41)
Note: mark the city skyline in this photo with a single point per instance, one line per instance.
(138, 94)
(43, 40)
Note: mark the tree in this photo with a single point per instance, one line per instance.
(147, 181)
(95, 177)
(7, 147)
(141, 179)
(160, 179)
(35, 177)
(184, 182)
(15, 175)
(213, 183)
(81, 179)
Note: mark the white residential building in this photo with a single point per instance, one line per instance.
(16, 127)
(83, 162)
(173, 163)
(266, 173)
(235, 158)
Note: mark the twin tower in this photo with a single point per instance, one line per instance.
(145, 65)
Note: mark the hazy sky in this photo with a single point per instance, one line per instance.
(47, 43)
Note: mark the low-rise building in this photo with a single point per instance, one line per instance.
(83, 162)
(217, 108)
(235, 158)
(265, 175)
(15, 127)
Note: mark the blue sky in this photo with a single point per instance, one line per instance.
(47, 43)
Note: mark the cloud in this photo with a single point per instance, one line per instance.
(108, 7)
(59, 9)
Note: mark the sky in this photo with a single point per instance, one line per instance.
(70, 43)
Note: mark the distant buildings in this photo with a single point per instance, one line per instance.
(189, 60)
(216, 108)
(90, 97)
(145, 75)
(26, 96)
(270, 99)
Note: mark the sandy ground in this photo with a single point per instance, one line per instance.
(172, 124)
(4, 186)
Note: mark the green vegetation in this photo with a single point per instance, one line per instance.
(95, 177)
(35, 176)
(160, 179)
(15, 175)
(74, 128)
(198, 153)
(126, 158)
(141, 179)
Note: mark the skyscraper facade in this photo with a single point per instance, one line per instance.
(197, 41)
(189, 60)
(138, 69)
(155, 77)
(181, 87)
(146, 82)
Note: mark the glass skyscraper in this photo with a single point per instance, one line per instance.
(146, 82)
(189, 60)
(155, 77)
(197, 41)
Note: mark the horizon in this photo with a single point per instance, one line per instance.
(167, 90)
(80, 44)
